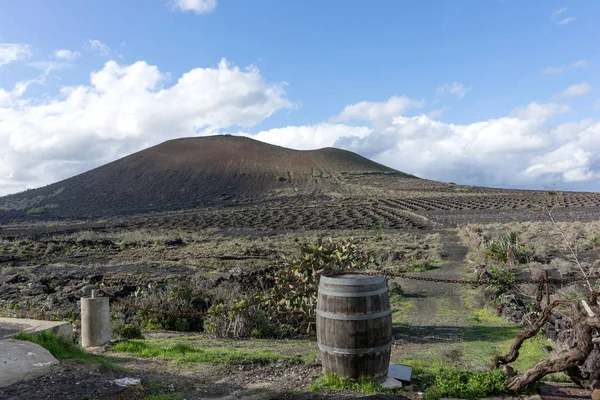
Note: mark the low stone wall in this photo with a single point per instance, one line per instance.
(12, 326)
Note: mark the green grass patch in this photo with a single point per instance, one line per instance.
(400, 306)
(61, 348)
(422, 266)
(465, 384)
(331, 381)
(474, 347)
(188, 353)
(501, 334)
(166, 396)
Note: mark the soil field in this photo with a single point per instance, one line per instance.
(306, 213)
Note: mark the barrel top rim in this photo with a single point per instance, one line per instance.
(350, 276)
(349, 279)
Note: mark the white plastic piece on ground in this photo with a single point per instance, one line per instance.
(400, 372)
(21, 360)
(391, 383)
(126, 382)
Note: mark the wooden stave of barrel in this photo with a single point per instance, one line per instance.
(354, 326)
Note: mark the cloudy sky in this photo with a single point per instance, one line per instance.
(495, 93)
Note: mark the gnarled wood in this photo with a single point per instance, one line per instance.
(558, 363)
(527, 333)
(567, 360)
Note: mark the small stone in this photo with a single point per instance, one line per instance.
(126, 382)
(391, 383)
(546, 349)
(86, 291)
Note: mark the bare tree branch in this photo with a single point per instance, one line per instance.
(527, 333)
(570, 246)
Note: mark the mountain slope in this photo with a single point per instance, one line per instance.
(193, 172)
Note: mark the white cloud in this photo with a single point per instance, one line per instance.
(310, 136)
(9, 97)
(580, 89)
(566, 21)
(196, 6)
(12, 52)
(377, 112)
(456, 88)
(558, 12)
(569, 160)
(516, 150)
(559, 70)
(62, 59)
(123, 108)
(557, 15)
(438, 112)
(535, 111)
(48, 66)
(98, 47)
(66, 55)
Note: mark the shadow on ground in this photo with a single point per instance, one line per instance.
(78, 380)
(332, 396)
(444, 334)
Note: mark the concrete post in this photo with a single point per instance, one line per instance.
(95, 321)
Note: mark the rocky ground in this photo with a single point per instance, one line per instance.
(433, 322)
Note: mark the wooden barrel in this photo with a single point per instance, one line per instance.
(354, 326)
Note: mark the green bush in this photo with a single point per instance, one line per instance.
(508, 244)
(263, 329)
(291, 302)
(395, 292)
(502, 280)
(36, 211)
(130, 331)
(422, 266)
(465, 384)
(289, 306)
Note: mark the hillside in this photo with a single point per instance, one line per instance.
(191, 172)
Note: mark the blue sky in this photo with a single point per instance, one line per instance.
(496, 93)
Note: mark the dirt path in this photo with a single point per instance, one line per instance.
(437, 310)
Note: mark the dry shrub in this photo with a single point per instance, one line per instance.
(174, 307)
(239, 319)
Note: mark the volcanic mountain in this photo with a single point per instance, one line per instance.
(192, 172)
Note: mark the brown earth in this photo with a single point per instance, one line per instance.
(192, 172)
(236, 182)
(71, 380)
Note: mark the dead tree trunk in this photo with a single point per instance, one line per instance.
(567, 360)
(526, 333)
